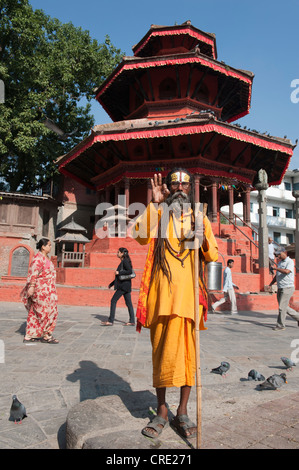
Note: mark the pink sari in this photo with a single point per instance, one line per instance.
(42, 306)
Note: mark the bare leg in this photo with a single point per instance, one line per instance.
(184, 398)
(162, 408)
(182, 409)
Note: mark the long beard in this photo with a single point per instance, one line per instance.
(179, 203)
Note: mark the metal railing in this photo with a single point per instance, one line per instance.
(251, 242)
(245, 223)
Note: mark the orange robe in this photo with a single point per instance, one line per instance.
(171, 307)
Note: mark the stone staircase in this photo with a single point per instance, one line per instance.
(89, 285)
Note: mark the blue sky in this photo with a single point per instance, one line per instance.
(258, 35)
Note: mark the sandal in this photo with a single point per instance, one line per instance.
(49, 340)
(31, 340)
(158, 424)
(129, 324)
(106, 323)
(183, 424)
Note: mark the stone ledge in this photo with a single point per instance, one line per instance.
(106, 423)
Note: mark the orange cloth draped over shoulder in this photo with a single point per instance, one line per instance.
(169, 309)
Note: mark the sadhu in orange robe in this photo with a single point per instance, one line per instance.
(169, 309)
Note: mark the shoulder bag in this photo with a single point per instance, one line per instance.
(125, 277)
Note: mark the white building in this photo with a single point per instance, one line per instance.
(280, 209)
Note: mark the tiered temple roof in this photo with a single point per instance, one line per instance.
(173, 103)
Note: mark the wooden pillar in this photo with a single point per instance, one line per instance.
(214, 201)
(62, 255)
(196, 188)
(231, 204)
(83, 256)
(149, 194)
(127, 191)
(246, 207)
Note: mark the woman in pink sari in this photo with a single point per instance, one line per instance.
(40, 297)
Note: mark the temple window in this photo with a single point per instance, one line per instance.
(203, 94)
(161, 148)
(167, 89)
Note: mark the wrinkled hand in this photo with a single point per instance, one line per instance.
(160, 191)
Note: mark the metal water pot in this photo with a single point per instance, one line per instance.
(214, 275)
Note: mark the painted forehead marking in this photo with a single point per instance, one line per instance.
(180, 177)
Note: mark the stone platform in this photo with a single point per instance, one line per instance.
(93, 389)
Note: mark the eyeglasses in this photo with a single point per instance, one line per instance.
(176, 185)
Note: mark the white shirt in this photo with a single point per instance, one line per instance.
(271, 250)
(227, 279)
(285, 280)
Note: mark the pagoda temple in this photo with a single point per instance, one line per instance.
(174, 104)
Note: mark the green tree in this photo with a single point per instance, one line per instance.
(47, 68)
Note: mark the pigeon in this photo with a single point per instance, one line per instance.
(255, 375)
(17, 410)
(53, 127)
(222, 369)
(273, 382)
(288, 363)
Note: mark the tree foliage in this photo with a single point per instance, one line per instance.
(47, 68)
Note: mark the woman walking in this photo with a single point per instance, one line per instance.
(122, 288)
(40, 297)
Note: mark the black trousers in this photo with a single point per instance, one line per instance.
(127, 296)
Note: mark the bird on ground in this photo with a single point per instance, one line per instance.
(255, 375)
(222, 369)
(17, 410)
(288, 363)
(273, 382)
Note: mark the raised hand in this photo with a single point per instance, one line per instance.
(160, 191)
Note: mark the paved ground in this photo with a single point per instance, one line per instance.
(98, 381)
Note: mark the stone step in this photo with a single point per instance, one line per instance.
(101, 277)
(75, 295)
